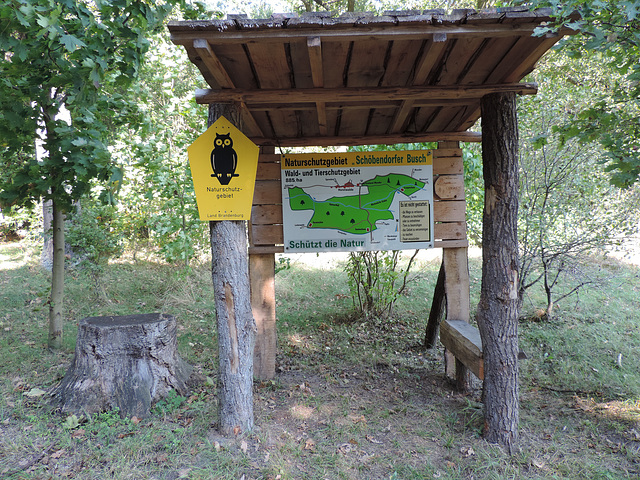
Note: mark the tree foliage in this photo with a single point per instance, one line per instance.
(568, 208)
(76, 57)
(611, 28)
(67, 54)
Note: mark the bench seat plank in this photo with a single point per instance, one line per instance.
(463, 340)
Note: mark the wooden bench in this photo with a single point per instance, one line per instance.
(463, 341)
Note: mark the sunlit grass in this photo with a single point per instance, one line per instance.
(353, 398)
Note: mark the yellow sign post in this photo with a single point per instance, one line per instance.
(223, 165)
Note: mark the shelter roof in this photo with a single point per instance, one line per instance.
(360, 78)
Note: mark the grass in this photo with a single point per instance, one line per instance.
(352, 399)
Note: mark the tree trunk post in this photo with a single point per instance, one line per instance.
(57, 280)
(236, 326)
(498, 307)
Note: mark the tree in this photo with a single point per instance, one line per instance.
(569, 209)
(55, 55)
(154, 153)
(497, 313)
(612, 29)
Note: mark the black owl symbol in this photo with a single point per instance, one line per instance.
(224, 159)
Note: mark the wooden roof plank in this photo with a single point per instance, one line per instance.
(521, 57)
(213, 64)
(235, 61)
(366, 69)
(431, 53)
(271, 67)
(357, 78)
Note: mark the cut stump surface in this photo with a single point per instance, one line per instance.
(125, 362)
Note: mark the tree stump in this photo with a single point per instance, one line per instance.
(126, 362)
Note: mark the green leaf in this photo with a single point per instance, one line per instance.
(71, 43)
(71, 422)
(43, 21)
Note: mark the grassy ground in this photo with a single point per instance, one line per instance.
(352, 399)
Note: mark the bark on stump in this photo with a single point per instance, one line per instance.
(126, 362)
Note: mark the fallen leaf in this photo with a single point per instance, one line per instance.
(34, 392)
(309, 444)
(373, 440)
(244, 446)
(135, 420)
(539, 464)
(217, 446)
(58, 453)
(237, 430)
(184, 473)
(162, 457)
(78, 433)
(467, 452)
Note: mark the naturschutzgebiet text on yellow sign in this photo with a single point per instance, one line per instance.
(223, 165)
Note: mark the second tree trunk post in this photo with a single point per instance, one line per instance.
(236, 326)
(498, 308)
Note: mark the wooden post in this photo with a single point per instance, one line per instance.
(498, 307)
(263, 303)
(456, 273)
(236, 326)
(456, 267)
(438, 307)
(262, 267)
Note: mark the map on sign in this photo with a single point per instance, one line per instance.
(357, 201)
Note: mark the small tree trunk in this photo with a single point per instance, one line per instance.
(57, 280)
(236, 325)
(46, 258)
(498, 307)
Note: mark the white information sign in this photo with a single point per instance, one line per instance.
(357, 201)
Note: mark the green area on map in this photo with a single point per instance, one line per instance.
(356, 213)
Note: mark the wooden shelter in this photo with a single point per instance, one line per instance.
(357, 79)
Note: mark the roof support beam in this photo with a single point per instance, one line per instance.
(381, 94)
(314, 46)
(369, 140)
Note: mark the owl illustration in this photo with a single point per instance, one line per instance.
(224, 159)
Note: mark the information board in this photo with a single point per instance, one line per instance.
(357, 201)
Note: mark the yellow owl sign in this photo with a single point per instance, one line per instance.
(223, 165)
